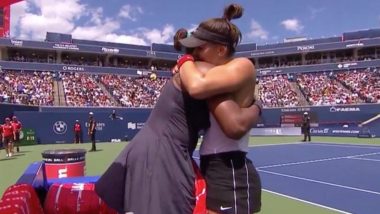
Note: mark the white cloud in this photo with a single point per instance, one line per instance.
(292, 25)
(65, 9)
(130, 12)
(35, 26)
(18, 11)
(158, 36)
(32, 19)
(315, 11)
(257, 31)
(96, 16)
(126, 39)
(53, 16)
(96, 32)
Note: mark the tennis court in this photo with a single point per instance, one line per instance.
(313, 178)
(340, 177)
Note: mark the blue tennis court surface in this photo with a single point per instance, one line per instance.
(340, 177)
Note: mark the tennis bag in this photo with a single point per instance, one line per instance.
(79, 198)
(20, 198)
(200, 191)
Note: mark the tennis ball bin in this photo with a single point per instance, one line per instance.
(64, 163)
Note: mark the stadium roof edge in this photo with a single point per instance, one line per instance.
(355, 31)
(346, 36)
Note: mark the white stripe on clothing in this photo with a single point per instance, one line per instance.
(57, 195)
(246, 169)
(233, 177)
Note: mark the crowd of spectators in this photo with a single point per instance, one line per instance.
(277, 91)
(28, 88)
(80, 60)
(280, 64)
(137, 92)
(323, 89)
(83, 90)
(32, 58)
(366, 83)
(311, 60)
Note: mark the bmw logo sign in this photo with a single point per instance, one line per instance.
(60, 127)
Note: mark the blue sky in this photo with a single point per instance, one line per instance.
(147, 21)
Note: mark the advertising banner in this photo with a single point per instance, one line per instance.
(57, 126)
(27, 136)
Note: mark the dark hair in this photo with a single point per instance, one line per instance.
(223, 26)
(181, 34)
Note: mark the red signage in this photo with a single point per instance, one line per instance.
(5, 14)
(4, 3)
(65, 170)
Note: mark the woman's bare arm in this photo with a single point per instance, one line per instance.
(218, 80)
(234, 121)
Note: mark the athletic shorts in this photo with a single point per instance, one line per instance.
(232, 182)
(17, 137)
(7, 140)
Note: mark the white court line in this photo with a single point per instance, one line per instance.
(262, 145)
(321, 182)
(276, 144)
(366, 146)
(307, 202)
(315, 161)
(366, 159)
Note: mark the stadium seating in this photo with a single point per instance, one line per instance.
(107, 90)
(30, 88)
(83, 90)
(364, 82)
(276, 91)
(140, 92)
(323, 89)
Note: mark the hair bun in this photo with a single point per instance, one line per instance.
(233, 11)
(180, 34)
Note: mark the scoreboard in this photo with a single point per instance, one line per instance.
(295, 118)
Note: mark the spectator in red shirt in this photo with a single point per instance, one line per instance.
(77, 132)
(17, 129)
(8, 136)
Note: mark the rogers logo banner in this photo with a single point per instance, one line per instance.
(72, 68)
